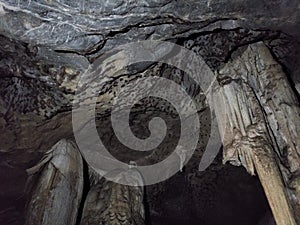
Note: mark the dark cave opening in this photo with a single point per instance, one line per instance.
(232, 197)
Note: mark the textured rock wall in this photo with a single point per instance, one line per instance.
(46, 45)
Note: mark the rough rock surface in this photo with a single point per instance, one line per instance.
(46, 46)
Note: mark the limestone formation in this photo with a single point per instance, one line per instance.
(112, 203)
(251, 46)
(57, 193)
(257, 104)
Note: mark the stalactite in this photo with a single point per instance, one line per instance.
(112, 203)
(57, 194)
(247, 101)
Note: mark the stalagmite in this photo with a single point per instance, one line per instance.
(57, 194)
(254, 118)
(113, 203)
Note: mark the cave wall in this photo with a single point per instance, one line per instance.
(46, 46)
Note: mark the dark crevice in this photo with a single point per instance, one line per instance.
(86, 188)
